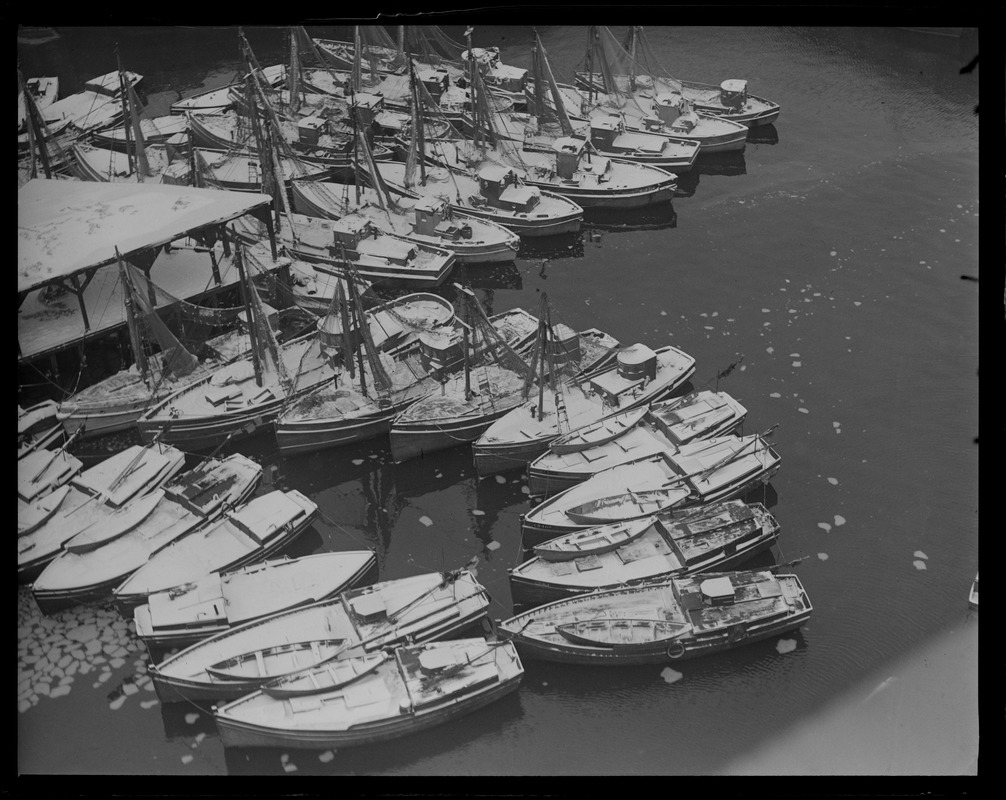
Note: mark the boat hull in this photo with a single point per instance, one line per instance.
(390, 275)
(295, 438)
(234, 733)
(416, 440)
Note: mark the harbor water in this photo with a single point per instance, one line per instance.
(838, 254)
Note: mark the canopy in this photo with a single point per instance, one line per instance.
(66, 226)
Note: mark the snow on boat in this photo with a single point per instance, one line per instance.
(393, 325)
(368, 619)
(193, 499)
(665, 426)
(271, 663)
(98, 105)
(662, 622)
(703, 472)
(707, 538)
(218, 100)
(418, 687)
(973, 594)
(157, 130)
(214, 603)
(639, 377)
(429, 221)
(92, 496)
(253, 532)
(597, 433)
(44, 92)
(324, 678)
(38, 427)
(43, 471)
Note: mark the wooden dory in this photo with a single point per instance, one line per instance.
(94, 495)
(219, 601)
(251, 533)
(703, 472)
(276, 662)
(706, 538)
(42, 471)
(666, 426)
(74, 577)
(419, 687)
(325, 677)
(661, 622)
(368, 619)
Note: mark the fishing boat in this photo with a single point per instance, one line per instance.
(98, 105)
(44, 92)
(367, 619)
(246, 395)
(973, 594)
(496, 193)
(488, 388)
(254, 532)
(639, 376)
(106, 553)
(427, 222)
(414, 689)
(219, 100)
(43, 471)
(44, 525)
(715, 537)
(443, 350)
(377, 256)
(117, 402)
(155, 130)
(38, 427)
(242, 171)
(217, 602)
(388, 382)
(663, 426)
(669, 620)
(703, 472)
(644, 75)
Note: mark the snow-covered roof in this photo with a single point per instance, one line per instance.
(66, 226)
(494, 172)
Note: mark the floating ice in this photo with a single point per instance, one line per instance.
(785, 645)
(200, 737)
(477, 513)
(856, 303)
(797, 364)
(130, 688)
(920, 554)
(148, 703)
(426, 521)
(839, 520)
(764, 311)
(284, 758)
(325, 757)
(59, 691)
(833, 481)
(190, 719)
(770, 350)
(775, 394)
(115, 663)
(803, 410)
(834, 253)
(187, 758)
(919, 564)
(84, 633)
(824, 526)
(670, 675)
(663, 313)
(289, 768)
(493, 546)
(709, 327)
(525, 490)
(822, 556)
(500, 479)
(116, 704)
(357, 461)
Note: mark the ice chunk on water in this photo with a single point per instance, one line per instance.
(325, 757)
(920, 554)
(824, 526)
(426, 521)
(919, 564)
(786, 645)
(493, 546)
(839, 520)
(500, 479)
(833, 481)
(822, 556)
(670, 675)
(190, 719)
(478, 513)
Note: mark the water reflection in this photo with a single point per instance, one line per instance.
(763, 134)
(649, 218)
(490, 276)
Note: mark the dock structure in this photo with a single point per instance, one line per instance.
(69, 235)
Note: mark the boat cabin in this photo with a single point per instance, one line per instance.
(567, 156)
(369, 607)
(502, 188)
(435, 80)
(717, 591)
(566, 344)
(671, 110)
(636, 365)
(734, 93)
(367, 106)
(357, 237)
(433, 218)
(605, 130)
(507, 78)
(310, 128)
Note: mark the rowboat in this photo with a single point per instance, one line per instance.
(270, 663)
(156, 130)
(258, 529)
(662, 622)
(368, 619)
(216, 602)
(92, 496)
(38, 427)
(98, 105)
(195, 498)
(665, 426)
(417, 688)
(433, 222)
(702, 472)
(597, 433)
(324, 678)
(973, 594)
(44, 92)
(42, 471)
(707, 538)
(640, 376)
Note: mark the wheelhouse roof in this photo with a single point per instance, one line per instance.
(66, 226)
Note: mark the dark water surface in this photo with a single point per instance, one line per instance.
(830, 255)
